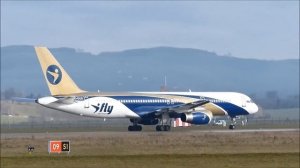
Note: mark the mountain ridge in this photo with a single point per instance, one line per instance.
(150, 48)
(144, 69)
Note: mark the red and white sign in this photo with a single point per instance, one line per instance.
(58, 146)
(178, 123)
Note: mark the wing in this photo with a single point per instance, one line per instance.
(183, 107)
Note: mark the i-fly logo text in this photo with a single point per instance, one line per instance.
(103, 108)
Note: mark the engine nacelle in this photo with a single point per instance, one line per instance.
(197, 118)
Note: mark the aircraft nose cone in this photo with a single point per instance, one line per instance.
(254, 108)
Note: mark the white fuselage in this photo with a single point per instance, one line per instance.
(108, 107)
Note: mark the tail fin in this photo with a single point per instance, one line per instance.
(59, 82)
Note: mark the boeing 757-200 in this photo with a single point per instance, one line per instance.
(141, 108)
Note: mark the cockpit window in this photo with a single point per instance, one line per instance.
(249, 101)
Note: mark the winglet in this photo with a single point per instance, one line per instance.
(58, 81)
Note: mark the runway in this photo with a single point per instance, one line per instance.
(251, 130)
(124, 133)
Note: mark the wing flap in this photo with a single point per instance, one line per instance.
(183, 107)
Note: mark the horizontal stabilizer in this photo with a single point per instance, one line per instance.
(23, 99)
(66, 100)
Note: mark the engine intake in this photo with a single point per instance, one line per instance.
(197, 118)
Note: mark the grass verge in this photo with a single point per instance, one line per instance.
(286, 160)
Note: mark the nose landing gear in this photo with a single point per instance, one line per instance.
(233, 123)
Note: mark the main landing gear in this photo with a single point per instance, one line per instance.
(163, 128)
(164, 123)
(232, 123)
(135, 126)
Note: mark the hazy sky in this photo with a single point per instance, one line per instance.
(264, 30)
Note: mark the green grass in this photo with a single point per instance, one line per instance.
(266, 160)
(153, 149)
(13, 120)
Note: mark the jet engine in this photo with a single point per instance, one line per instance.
(197, 118)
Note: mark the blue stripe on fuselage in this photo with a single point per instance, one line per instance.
(232, 110)
(146, 107)
(143, 105)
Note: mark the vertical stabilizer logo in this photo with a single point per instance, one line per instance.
(53, 74)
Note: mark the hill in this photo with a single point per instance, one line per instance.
(144, 70)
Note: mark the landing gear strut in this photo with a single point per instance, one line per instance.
(232, 124)
(164, 123)
(135, 126)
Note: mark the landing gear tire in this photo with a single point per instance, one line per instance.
(158, 128)
(233, 122)
(139, 128)
(167, 128)
(163, 128)
(134, 128)
(130, 128)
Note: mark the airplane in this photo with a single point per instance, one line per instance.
(141, 108)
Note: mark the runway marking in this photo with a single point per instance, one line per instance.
(250, 130)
